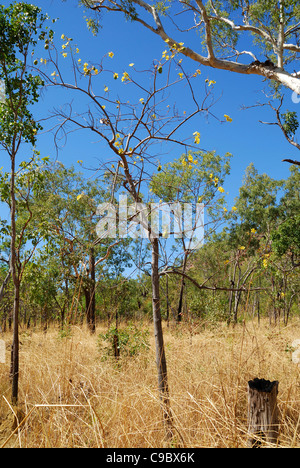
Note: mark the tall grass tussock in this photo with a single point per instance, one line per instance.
(71, 396)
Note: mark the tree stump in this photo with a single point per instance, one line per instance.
(263, 416)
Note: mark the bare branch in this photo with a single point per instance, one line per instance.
(203, 286)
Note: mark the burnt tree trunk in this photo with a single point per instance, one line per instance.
(159, 342)
(263, 417)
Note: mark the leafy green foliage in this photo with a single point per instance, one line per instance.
(131, 340)
(20, 29)
(256, 204)
(291, 123)
(287, 237)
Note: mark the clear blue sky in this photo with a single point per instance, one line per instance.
(247, 139)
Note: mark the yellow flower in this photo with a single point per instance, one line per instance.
(216, 180)
(80, 196)
(242, 247)
(180, 75)
(131, 64)
(234, 208)
(190, 158)
(197, 137)
(265, 263)
(196, 161)
(53, 74)
(86, 69)
(184, 162)
(77, 50)
(63, 37)
(225, 210)
(211, 176)
(116, 76)
(96, 71)
(111, 54)
(65, 55)
(79, 60)
(63, 46)
(142, 100)
(125, 77)
(198, 72)
(211, 82)
(253, 231)
(106, 89)
(228, 119)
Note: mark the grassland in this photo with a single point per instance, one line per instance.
(71, 397)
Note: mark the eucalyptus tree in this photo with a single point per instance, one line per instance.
(68, 207)
(196, 178)
(135, 125)
(22, 25)
(255, 218)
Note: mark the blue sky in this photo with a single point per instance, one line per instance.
(247, 139)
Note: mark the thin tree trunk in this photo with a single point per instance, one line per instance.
(179, 312)
(4, 285)
(232, 283)
(116, 337)
(159, 341)
(92, 305)
(230, 302)
(16, 282)
(167, 299)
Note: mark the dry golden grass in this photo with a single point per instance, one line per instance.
(69, 397)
